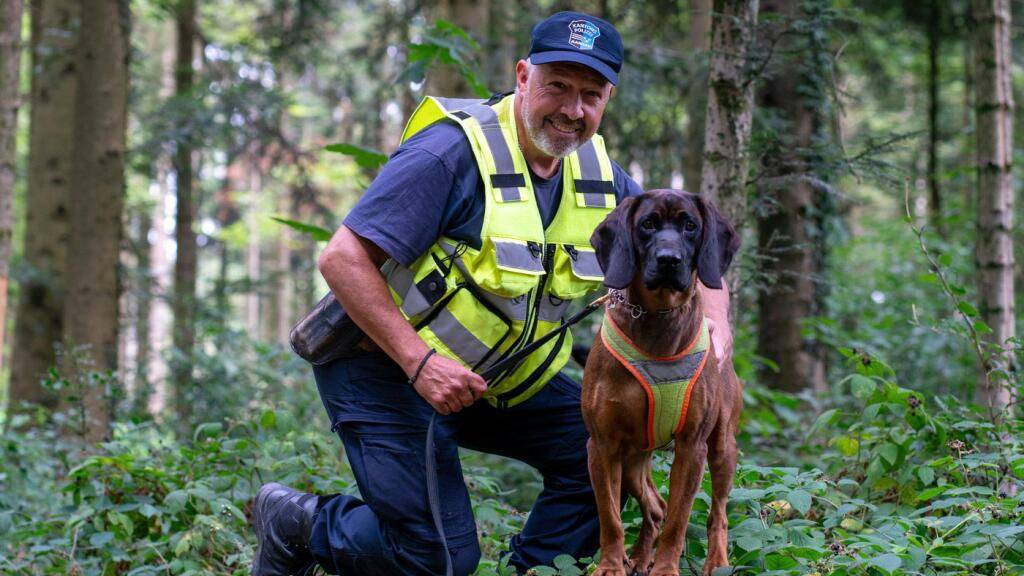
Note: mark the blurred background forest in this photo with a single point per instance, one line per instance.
(169, 170)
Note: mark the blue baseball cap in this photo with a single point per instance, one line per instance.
(580, 38)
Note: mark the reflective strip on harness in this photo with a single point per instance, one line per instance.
(666, 381)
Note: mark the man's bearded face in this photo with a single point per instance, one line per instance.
(562, 106)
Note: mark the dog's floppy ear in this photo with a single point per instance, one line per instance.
(719, 243)
(613, 244)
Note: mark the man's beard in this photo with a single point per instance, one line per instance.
(556, 148)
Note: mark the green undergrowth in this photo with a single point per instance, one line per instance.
(882, 481)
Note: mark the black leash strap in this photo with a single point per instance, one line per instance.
(498, 367)
(432, 494)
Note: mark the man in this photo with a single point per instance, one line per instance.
(481, 221)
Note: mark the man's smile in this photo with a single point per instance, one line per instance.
(563, 127)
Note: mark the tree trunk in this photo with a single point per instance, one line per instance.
(730, 107)
(786, 234)
(994, 248)
(143, 313)
(40, 310)
(184, 234)
(10, 82)
(698, 41)
(471, 16)
(90, 317)
(934, 40)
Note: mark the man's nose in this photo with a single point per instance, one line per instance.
(572, 107)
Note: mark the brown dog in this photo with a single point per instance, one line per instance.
(653, 248)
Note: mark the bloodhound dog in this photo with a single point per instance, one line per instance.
(653, 248)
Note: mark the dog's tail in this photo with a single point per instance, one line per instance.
(579, 354)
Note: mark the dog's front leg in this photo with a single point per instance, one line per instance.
(722, 461)
(636, 476)
(687, 471)
(606, 476)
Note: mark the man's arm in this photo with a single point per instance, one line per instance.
(716, 307)
(351, 266)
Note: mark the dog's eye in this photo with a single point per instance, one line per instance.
(647, 224)
(690, 226)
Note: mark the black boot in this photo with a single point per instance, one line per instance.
(283, 519)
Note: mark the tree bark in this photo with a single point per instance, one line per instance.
(471, 16)
(934, 41)
(786, 233)
(40, 309)
(699, 42)
(90, 317)
(184, 234)
(730, 107)
(10, 101)
(994, 247)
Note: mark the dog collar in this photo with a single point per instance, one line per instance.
(618, 298)
(666, 380)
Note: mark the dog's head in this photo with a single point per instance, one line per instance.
(664, 235)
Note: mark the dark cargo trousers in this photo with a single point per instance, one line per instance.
(383, 424)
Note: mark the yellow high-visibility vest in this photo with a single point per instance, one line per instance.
(480, 305)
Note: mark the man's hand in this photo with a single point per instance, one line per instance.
(716, 307)
(447, 385)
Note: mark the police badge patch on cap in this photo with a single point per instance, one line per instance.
(582, 34)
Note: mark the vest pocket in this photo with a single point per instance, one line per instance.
(506, 267)
(576, 271)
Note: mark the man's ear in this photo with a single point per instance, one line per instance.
(719, 243)
(613, 244)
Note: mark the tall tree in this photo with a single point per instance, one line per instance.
(91, 314)
(934, 34)
(730, 107)
(698, 41)
(39, 316)
(10, 82)
(788, 228)
(993, 97)
(184, 234)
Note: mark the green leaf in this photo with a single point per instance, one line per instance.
(862, 386)
(946, 260)
(847, 445)
(101, 538)
(800, 499)
(826, 417)
(889, 452)
(268, 419)
(317, 233)
(364, 157)
(567, 565)
(886, 562)
(749, 543)
(967, 309)
(926, 475)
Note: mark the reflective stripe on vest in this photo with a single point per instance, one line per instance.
(480, 303)
(665, 380)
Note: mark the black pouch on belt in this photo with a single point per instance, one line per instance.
(326, 333)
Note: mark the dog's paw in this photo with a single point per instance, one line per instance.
(638, 566)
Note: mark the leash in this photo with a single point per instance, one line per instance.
(490, 373)
(500, 366)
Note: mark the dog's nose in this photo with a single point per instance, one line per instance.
(668, 259)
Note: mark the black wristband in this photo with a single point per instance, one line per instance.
(422, 364)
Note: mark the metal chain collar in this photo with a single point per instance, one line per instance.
(618, 298)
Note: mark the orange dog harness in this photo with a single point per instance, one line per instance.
(665, 380)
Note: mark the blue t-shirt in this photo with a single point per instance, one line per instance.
(431, 187)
